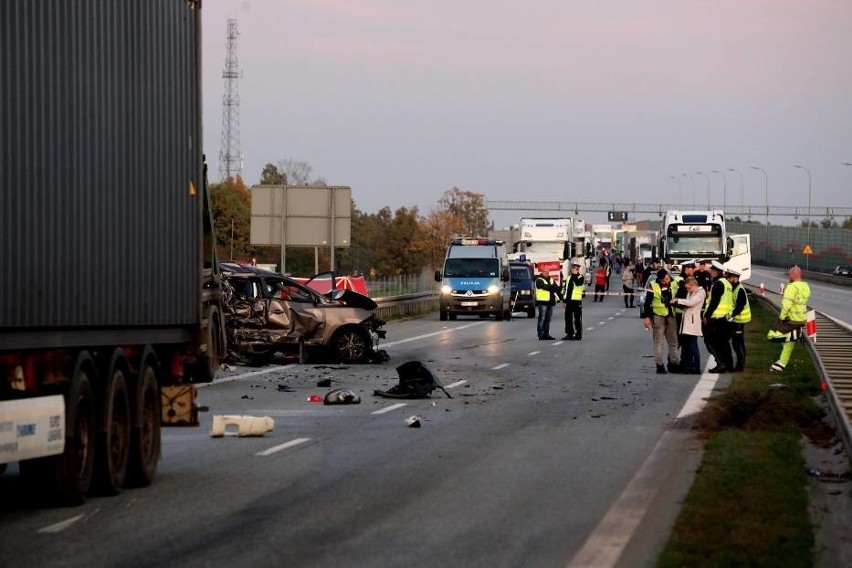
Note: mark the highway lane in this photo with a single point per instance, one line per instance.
(539, 441)
(827, 298)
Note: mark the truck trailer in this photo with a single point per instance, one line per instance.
(111, 296)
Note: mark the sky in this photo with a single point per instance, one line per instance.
(619, 101)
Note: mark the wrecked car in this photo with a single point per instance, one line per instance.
(267, 313)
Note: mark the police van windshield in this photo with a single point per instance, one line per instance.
(520, 273)
(472, 267)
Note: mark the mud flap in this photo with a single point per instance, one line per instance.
(178, 406)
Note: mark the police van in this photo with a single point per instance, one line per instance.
(475, 279)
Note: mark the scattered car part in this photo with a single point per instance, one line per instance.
(246, 425)
(415, 381)
(342, 396)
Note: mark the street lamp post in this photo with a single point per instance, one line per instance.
(708, 187)
(724, 189)
(742, 185)
(692, 180)
(766, 198)
(679, 192)
(807, 256)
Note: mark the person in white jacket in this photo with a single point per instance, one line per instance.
(690, 326)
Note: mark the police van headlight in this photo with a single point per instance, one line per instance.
(494, 289)
(446, 289)
(525, 292)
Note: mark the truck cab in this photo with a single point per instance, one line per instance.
(475, 279)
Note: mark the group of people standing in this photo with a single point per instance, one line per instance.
(701, 301)
(548, 293)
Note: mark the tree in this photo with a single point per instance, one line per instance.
(271, 176)
(470, 209)
(231, 203)
(439, 228)
(847, 224)
(295, 172)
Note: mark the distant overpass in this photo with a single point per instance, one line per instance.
(747, 211)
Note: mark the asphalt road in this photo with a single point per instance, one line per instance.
(547, 453)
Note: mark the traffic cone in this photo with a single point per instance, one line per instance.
(762, 289)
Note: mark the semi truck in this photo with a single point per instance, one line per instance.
(695, 235)
(111, 296)
(550, 242)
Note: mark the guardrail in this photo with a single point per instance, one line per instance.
(407, 305)
(834, 370)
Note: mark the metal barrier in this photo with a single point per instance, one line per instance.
(395, 307)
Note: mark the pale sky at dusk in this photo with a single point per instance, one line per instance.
(574, 100)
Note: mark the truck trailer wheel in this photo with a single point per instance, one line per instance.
(113, 448)
(145, 430)
(67, 477)
(214, 338)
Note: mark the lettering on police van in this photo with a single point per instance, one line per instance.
(54, 434)
(25, 430)
(6, 426)
(9, 447)
(55, 421)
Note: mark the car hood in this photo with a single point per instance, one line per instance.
(353, 299)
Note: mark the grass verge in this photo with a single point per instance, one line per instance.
(748, 505)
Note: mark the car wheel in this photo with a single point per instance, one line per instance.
(531, 313)
(452, 316)
(350, 345)
(442, 315)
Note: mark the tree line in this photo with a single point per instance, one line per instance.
(384, 244)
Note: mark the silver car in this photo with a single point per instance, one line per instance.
(268, 313)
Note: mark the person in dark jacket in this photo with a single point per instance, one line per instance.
(740, 316)
(574, 304)
(717, 329)
(546, 293)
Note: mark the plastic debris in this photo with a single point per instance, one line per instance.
(342, 396)
(246, 425)
(413, 421)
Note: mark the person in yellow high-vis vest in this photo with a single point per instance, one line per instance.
(659, 317)
(546, 294)
(717, 329)
(574, 304)
(794, 310)
(740, 315)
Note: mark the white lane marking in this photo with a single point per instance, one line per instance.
(607, 542)
(558, 342)
(590, 328)
(612, 318)
(283, 446)
(434, 333)
(245, 376)
(62, 525)
(456, 384)
(702, 391)
(500, 366)
(533, 353)
(601, 322)
(389, 408)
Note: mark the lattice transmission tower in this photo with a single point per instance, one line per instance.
(230, 156)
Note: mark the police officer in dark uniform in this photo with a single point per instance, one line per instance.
(574, 304)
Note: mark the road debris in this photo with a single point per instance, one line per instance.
(342, 396)
(415, 381)
(245, 425)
